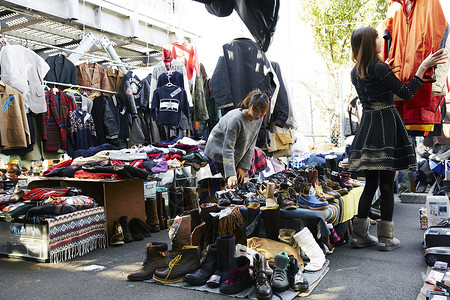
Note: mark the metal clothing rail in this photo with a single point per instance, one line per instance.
(79, 86)
(10, 37)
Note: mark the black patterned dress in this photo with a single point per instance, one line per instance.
(381, 141)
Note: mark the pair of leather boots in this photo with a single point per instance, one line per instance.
(127, 231)
(156, 214)
(157, 266)
(184, 255)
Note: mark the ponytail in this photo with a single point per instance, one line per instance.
(255, 97)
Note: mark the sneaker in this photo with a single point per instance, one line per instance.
(279, 280)
(297, 280)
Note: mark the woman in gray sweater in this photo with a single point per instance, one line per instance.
(232, 141)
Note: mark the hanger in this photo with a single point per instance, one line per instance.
(169, 84)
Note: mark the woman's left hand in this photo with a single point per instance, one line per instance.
(240, 174)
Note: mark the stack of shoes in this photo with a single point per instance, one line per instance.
(335, 186)
(310, 201)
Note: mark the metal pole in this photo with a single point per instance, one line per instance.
(106, 44)
(341, 102)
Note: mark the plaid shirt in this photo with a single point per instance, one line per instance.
(259, 162)
(44, 193)
(55, 120)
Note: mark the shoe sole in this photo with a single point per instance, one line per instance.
(162, 280)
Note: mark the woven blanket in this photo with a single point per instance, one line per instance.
(76, 234)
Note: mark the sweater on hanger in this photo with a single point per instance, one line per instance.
(175, 65)
(168, 103)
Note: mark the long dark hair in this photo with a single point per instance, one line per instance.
(364, 49)
(256, 98)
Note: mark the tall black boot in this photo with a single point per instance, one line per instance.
(272, 222)
(175, 203)
(225, 254)
(207, 268)
(252, 224)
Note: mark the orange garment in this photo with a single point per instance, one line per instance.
(415, 34)
(188, 55)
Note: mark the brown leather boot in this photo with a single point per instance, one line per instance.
(127, 237)
(180, 234)
(190, 198)
(313, 177)
(151, 212)
(187, 261)
(162, 213)
(156, 258)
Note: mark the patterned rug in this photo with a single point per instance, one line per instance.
(313, 279)
(76, 234)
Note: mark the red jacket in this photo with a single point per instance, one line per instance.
(415, 35)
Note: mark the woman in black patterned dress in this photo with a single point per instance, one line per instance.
(381, 145)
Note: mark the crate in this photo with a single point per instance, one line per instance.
(150, 189)
(24, 240)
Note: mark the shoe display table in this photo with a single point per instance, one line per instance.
(123, 197)
(55, 239)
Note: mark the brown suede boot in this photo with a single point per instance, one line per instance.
(156, 258)
(151, 212)
(180, 234)
(190, 198)
(187, 261)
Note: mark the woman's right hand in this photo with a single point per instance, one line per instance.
(232, 181)
(435, 58)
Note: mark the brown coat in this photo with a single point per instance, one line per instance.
(115, 79)
(14, 130)
(93, 75)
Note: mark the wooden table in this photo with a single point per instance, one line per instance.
(123, 197)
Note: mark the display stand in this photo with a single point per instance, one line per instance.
(119, 197)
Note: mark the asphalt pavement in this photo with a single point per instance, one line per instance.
(101, 274)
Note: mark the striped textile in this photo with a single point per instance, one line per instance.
(76, 234)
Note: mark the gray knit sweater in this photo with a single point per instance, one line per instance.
(232, 141)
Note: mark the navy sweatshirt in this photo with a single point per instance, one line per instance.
(168, 103)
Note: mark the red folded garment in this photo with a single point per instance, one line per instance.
(60, 165)
(84, 174)
(117, 163)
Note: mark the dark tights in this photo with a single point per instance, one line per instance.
(385, 180)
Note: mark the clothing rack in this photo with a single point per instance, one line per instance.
(66, 50)
(79, 86)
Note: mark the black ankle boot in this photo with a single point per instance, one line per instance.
(207, 268)
(239, 278)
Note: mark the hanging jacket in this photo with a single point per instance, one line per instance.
(137, 91)
(242, 68)
(14, 129)
(62, 70)
(413, 36)
(55, 120)
(24, 70)
(92, 75)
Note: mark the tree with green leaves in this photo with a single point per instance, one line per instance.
(332, 22)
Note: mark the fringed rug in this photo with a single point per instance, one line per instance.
(313, 279)
(76, 233)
